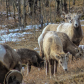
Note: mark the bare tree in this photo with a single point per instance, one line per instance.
(65, 6)
(58, 7)
(73, 2)
(47, 3)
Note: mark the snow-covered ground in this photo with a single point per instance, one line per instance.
(7, 35)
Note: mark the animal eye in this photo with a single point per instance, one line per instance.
(61, 62)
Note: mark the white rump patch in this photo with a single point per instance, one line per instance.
(2, 53)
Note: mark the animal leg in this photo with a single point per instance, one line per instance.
(50, 68)
(28, 68)
(47, 67)
(54, 67)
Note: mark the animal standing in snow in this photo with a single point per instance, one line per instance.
(73, 30)
(9, 58)
(53, 51)
(30, 57)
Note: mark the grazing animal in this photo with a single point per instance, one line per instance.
(53, 27)
(68, 46)
(3, 71)
(73, 30)
(9, 76)
(53, 51)
(30, 57)
(9, 57)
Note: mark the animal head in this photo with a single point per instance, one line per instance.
(63, 60)
(66, 17)
(79, 53)
(76, 20)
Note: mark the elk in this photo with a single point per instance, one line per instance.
(53, 52)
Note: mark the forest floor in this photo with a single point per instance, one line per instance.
(75, 73)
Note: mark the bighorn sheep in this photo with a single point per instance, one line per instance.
(30, 57)
(9, 57)
(53, 27)
(73, 30)
(68, 46)
(53, 51)
(9, 76)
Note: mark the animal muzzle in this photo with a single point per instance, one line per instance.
(65, 69)
(76, 25)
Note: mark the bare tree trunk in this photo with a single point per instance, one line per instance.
(58, 7)
(47, 3)
(46, 15)
(83, 6)
(41, 14)
(55, 10)
(14, 11)
(65, 6)
(61, 5)
(73, 2)
(24, 13)
(50, 11)
(19, 13)
(7, 8)
(69, 5)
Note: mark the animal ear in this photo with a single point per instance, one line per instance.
(63, 16)
(80, 15)
(71, 20)
(68, 53)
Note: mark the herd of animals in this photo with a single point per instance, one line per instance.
(57, 43)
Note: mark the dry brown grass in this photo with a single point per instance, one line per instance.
(75, 74)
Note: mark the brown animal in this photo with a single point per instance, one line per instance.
(73, 30)
(68, 46)
(9, 76)
(9, 57)
(53, 51)
(30, 57)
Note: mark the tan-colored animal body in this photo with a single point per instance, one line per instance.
(73, 30)
(53, 27)
(30, 57)
(9, 57)
(68, 46)
(53, 50)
